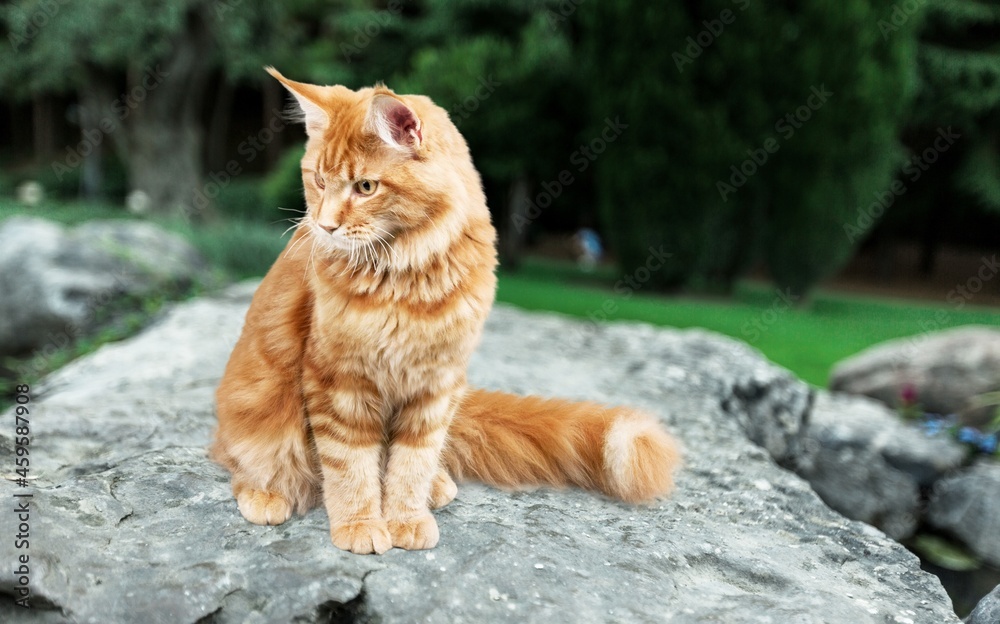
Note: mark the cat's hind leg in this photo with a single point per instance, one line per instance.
(263, 440)
(263, 436)
(443, 489)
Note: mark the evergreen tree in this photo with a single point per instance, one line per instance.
(503, 71)
(756, 132)
(959, 64)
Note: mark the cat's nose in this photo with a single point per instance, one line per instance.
(330, 229)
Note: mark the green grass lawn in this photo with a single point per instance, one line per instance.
(806, 341)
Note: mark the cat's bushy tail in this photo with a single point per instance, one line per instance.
(509, 441)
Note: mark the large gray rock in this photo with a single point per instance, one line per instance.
(967, 505)
(988, 609)
(947, 368)
(131, 522)
(869, 465)
(54, 280)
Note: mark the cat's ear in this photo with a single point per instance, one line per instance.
(395, 123)
(309, 98)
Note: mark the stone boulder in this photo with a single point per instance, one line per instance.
(946, 368)
(869, 465)
(55, 279)
(988, 609)
(967, 505)
(131, 522)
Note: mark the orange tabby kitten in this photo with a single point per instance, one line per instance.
(348, 382)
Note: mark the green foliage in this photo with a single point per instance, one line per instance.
(959, 64)
(945, 553)
(57, 44)
(529, 82)
(502, 70)
(241, 249)
(509, 65)
(698, 112)
(66, 213)
(282, 188)
(242, 199)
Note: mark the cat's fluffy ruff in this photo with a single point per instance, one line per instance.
(347, 385)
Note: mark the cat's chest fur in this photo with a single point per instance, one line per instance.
(408, 333)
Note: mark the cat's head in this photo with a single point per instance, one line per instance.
(388, 178)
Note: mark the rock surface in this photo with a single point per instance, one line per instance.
(131, 522)
(54, 278)
(947, 369)
(967, 505)
(988, 609)
(869, 465)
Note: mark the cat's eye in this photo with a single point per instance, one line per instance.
(366, 187)
(319, 181)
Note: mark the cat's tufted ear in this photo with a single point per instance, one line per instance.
(395, 123)
(309, 98)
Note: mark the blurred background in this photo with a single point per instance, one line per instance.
(812, 178)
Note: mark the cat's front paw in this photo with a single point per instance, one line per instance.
(416, 533)
(263, 507)
(362, 537)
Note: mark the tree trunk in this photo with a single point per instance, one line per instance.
(274, 96)
(931, 239)
(218, 128)
(43, 126)
(91, 146)
(514, 229)
(165, 130)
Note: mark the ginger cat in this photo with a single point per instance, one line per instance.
(348, 383)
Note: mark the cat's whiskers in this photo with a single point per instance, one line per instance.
(306, 235)
(381, 256)
(387, 245)
(311, 263)
(379, 266)
(354, 258)
(296, 221)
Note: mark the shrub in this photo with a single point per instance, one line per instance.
(242, 199)
(282, 188)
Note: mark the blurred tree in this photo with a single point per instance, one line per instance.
(959, 64)
(166, 53)
(503, 71)
(508, 84)
(754, 132)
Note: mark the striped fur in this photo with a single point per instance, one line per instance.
(347, 386)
